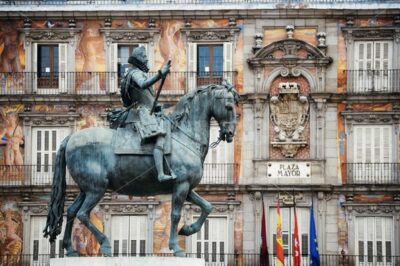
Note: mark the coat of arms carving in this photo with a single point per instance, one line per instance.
(289, 114)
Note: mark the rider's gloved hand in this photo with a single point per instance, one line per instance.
(165, 69)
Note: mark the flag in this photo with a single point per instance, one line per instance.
(280, 257)
(296, 243)
(314, 254)
(264, 260)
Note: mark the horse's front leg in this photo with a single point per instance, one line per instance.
(206, 209)
(178, 199)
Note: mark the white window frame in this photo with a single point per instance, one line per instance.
(192, 62)
(214, 237)
(42, 174)
(36, 234)
(127, 226)
(370, 226)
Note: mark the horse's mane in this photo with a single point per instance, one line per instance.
(183, 108)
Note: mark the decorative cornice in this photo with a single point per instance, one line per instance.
(129, 34)
(62, 119)
(371, 32)
(210, 34)
(381, 208)
(290, 47)
(50, 34)
(218, 207)
(128, 207)
(372, 117)
(34, 208)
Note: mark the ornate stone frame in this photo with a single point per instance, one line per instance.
(146, 208)
(44, 119)
(352, 118)
(217, 34)
(130, 36)
(370, 33)
(46, 36)
(220, 209)
(354, 210)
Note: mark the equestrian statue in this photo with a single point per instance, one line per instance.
(145, 152)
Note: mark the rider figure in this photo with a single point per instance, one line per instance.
(137, 89)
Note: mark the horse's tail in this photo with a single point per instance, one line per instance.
(56, 205)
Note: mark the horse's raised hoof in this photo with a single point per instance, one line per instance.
(180, 253)
(106, 251)
(72, 253)
(186, 230)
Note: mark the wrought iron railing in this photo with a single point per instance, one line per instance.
(42, 175)
(219, 173)
(228, 259)
(100, 83)
(29, 175)
(190, 2)
(373, 81)
(372, 173)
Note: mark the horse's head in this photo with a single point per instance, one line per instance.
(224, 103)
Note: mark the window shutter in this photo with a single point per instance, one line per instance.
(34, 67)
(192, 66)
(62, 67)
(113, 68)
(228, 65)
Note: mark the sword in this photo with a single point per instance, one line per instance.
(159, 92)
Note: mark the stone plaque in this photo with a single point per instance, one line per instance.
(289, 170)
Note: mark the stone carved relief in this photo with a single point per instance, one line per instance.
(127, 34)
(373, 209)
(289, 112)
(210, 34)
(47, 34)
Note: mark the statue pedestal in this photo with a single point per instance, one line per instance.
(126, 261)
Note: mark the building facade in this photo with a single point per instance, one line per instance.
(318, 122)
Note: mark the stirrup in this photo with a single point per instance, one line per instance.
(164, 177)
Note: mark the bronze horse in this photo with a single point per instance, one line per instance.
(95, 167)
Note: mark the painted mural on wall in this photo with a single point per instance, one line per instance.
(10, 231)
(90, 116)
(11, 144)
(83, 241)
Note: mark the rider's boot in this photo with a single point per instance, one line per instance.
(158, 154)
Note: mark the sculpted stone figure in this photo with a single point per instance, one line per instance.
(95, 165)
(136, 88)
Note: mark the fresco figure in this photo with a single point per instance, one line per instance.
(10, 241)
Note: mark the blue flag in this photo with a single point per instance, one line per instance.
(314, 254)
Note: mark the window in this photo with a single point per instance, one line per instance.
(40, 247)
(118, 58)
(287, 217)
(49, 67)
(218, 167)
(128, 235)
(372, 153)
(124, 51)
(373, 65)
(209, 63)
(45, 144)
(211, 241)
(374, 240)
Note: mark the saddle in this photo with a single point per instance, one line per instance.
(128, 138)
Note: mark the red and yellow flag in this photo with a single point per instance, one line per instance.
(280, 257)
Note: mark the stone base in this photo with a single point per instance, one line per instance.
(126, 261)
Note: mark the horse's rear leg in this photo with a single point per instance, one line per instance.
(71, 213)
(178, 199)
(91, 199)
(206, 209)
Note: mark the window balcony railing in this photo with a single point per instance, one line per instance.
(228, 259)
(373, 81)
(188, 2)
(29, 175)
(219, 173)
(100, 83)
(373, 173)
(42, 175)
